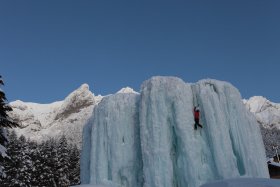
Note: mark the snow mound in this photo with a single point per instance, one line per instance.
(245, 182)
(148, 139)
(127, 90)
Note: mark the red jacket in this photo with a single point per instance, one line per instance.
(196, 114)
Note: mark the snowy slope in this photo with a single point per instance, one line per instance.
(42, 121)
(148, 139)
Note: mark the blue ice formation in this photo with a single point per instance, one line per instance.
(147, 139)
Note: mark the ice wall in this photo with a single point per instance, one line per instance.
(149, 140)
(111, 144)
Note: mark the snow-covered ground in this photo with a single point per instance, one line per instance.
(245, 182)
(148, 139)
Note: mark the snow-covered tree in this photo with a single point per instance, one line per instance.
(50, 163)
(63, 163)
(5, 122)
(74, 168)
(11, 163)
(35, 155)
(19, 165)
(47, 167)
(26, 165)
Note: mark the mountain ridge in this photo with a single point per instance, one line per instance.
(267, 113)
(40, 122)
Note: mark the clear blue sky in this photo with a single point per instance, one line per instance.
(49, 48)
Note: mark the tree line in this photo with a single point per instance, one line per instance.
(49, 163)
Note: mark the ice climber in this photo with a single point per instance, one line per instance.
(196, 117)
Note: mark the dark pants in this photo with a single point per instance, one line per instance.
(197, 124)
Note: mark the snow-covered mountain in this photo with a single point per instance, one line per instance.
(266, 112)
(147, 138)
(268, 116)
(42, 121)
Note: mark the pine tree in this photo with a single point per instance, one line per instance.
(5, 122)
(74, 168)
(35, 155)
(63, 162)
(24, 172)
(11, 163)
(47, 167)
(19, 166)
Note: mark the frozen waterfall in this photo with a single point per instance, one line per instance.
(148, 139)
